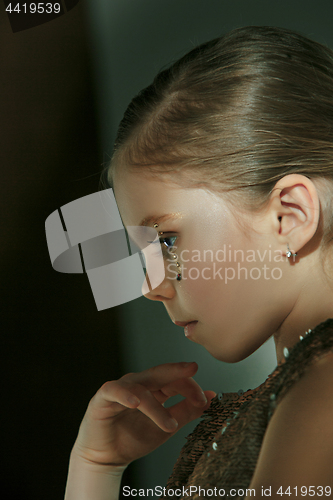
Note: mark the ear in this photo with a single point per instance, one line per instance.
(294, 210)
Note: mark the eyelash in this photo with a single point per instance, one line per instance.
(162, 243)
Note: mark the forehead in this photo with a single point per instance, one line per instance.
(141, 196)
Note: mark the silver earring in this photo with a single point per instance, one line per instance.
(289, 252)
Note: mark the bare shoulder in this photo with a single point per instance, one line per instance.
(297, 449)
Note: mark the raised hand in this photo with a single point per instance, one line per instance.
(126, 419)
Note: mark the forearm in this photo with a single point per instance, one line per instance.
(87, 481)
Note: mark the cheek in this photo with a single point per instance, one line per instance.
(211, 286)
(219, 281)
(208, 274)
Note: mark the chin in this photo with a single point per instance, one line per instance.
(230, 354)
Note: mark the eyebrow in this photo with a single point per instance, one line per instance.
(155, 219)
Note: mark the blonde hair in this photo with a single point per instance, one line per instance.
(238, 113)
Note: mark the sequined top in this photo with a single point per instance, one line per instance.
(223, 449)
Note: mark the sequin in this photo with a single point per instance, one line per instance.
(214, 445)
(208, 454)
(300, 337)
(240, 392)
(225, 428)
(236, 413)
(272, 397)
(238, 451)
(220, 396)
(285, 352)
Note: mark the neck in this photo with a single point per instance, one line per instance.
(314, 305)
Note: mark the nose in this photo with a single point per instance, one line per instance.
(164, 291)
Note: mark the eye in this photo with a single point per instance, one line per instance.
(168, 241)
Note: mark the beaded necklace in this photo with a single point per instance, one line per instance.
(286, 350)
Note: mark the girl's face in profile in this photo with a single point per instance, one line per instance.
(238, 299)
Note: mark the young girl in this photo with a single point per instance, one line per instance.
(231, 147)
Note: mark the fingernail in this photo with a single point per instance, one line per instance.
(133, 400)
(171, 424)
(201, 399)
(185, 365)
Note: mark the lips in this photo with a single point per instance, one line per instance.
(184, 323)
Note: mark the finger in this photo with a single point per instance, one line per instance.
(112, 398)
(160, 396)
(184, 412)
(158, 376)
(150, 407)
(188, 388)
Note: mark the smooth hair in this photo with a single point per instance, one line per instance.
(237, 114)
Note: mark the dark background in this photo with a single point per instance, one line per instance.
(63, 88)
(52, 336)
